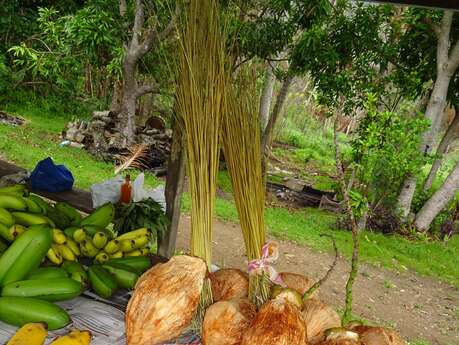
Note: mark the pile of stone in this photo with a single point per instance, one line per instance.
(102, 137)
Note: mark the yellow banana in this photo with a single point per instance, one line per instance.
(89, 248)
(136, 252)
(134, 234)
(59, 236)
(127, 245)
(99, 240)
(144, 251)
(118, 254)
(102, 257)
(54, 256)
(112, 246)
(75, 337)
(30, 334)
(73, 246)
(79, 235)
(141, 242)
(65, 251)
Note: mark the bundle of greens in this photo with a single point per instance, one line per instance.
(143, 214)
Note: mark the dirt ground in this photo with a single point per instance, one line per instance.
(418, 307)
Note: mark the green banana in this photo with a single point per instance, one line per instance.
(6, 218)
(102, 282)
(58, 289)
(24, 255)
(18, 311)
(32, 206)
(65, 252)
(3, 247)
(101, 258)
(112, 246)
(61, 220)
(127, 245)
(28, 219)
(40, 202)
(47, 273)
(91, 230)
(8, 233)
(124, 275)
(79, 235)
(70, 231)
(101, 217)
(131, 235)
(13, 202)
(73, 246)
(70, 212)
(76, 271)
(59, 236)
(88, 249)
(115, 255)
(141, 242)
(99, 240)
(139, 263)
(19, 189)
(54, 256)
(135, 252)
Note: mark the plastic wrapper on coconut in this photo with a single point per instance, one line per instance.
(378, 336)
(298, 282)
(226, 321)
(164, 301)
(278, 322)
(229, 283)
(340, 336)
(319, 317)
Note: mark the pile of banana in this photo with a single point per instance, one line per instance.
(36, 333)
(40, 248)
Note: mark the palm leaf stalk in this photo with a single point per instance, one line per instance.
(242, 148)
(201, 83)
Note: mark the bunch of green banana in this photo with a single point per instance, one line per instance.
(25, 254)
(16, 189)
(63, 248)
(102, 282)
(101, 217)
(12, 202)
(56, 289)
(12, 232)
(76, 271)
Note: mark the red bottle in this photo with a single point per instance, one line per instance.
(126, 190)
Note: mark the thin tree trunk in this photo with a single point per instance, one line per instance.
(266, 96)
(438, 201)
(405, 198)
(450, 135)
(267, 135)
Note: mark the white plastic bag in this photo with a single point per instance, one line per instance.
(107, 191)
(139, 194)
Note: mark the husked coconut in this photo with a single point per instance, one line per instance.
(278, 322)
(226, 321)
(229, 283)
(318, 318)
(298, 282)
(340, 336)
(164, 300)
(378, 336)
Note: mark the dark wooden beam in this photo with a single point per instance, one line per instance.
(439, 4)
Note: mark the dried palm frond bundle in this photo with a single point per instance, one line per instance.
(340, 336)
(298, 282)
(201, 85)
(318, 318)
(377, 335)
(229, 283)
(226, 321)
(277, 323)
(135, 157)
(164, 300)
(242, 148)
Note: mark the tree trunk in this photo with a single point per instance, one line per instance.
(174, 187)
(438, 201)
(129, 101)
(405, 198)
(450, 135)
(267, 135)
(266, 96)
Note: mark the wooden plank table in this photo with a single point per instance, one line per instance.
(78, 198)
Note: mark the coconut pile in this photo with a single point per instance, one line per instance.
(167, 296)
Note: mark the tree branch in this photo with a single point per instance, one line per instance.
(453, 60)
(144, 89)
(443, 40)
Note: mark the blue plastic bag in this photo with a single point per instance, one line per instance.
(49, 177)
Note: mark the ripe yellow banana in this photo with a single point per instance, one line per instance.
(30, 334)
(99, 240)
(73, 246)
(59, 236)
(75, 337)
(118, 254)
(127, 245)
(112, 246)
(134, 234)
(54, 256)
(136, 252)
(141, 242)
(79, 235)
(65, 252)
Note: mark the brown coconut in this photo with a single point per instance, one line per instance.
(226, 321)
(229, 283)
(164, 301)
(319, 317)
(298, 282)
(340, 336)
(378, 336)
(278, 322)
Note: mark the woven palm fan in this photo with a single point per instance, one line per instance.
(242, 148)
(201, 83)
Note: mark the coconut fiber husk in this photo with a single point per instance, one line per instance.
(226, 321)
(340, 336)
(229, 283)
(298, 282)
(378, 336)
(164, 300)
(276, 323)
(318, 318)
